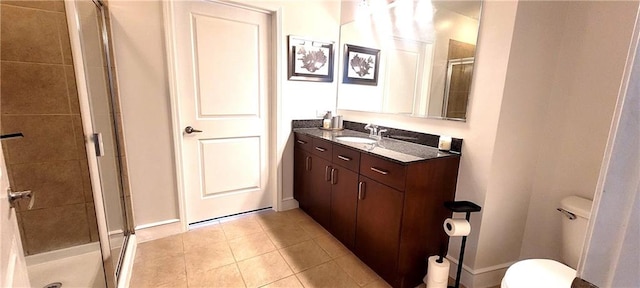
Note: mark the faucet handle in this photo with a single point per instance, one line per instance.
(381, 131)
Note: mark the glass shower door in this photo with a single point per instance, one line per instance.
(97, 65)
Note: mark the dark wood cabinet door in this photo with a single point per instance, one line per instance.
(302, 177)
(379, 215)
(344, 198)
(320, 192)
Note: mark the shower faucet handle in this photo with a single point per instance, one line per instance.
(13, 196)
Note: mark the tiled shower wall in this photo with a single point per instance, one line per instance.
(39, 98)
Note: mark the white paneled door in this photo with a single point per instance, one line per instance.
(13, 269)
(222, 65)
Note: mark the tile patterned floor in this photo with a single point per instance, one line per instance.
(269, 249)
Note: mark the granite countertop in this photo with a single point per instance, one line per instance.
(395, 150)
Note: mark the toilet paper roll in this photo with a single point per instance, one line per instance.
(437, 273)
(457, 227)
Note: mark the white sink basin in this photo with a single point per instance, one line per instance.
(356, 139)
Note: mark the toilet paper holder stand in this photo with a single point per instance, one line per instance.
(461, 207)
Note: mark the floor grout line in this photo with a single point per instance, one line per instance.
(311, 239)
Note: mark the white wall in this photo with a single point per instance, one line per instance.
(316, 19)
(589, 70)
(526, 95)
(138, 32)
(141, 68)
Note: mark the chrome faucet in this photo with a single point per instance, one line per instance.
(373, 130)
(380, 131)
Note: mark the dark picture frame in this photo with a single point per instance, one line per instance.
(361, 65)
(310, 60)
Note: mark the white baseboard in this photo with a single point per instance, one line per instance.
(288, 204)
(126, 270)
(158, 230)
(478, 278)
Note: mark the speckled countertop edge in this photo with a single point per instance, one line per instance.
(426, 139)
(395, 150)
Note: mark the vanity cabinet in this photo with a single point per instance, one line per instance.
(344, 194)
(312, 173)
(378, 226)
(389, 213)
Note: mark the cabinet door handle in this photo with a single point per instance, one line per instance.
(308, 163)
(321, 149)
(326, 173)
(334, 179)
(374, 169)
(361, 192)
(345, 158)
(301, 142)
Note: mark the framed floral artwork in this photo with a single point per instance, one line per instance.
(310, 60)
(360, 65)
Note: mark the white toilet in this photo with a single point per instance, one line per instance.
(551, 273)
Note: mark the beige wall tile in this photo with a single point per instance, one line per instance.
(128, 202)
(225, 276)
(65, 42)
(46, 138)
(50, 5)
(29, 35)
(117, 101)
(92, 222)
(326, 275)
(74, 101)
(80, 138)
(29, 88)
(54, 184)
(305, 255)
(86, 181)
(126, 185)
(250, 246)
(120, 134)
(55, 228)
(264, 269)
(23, 237)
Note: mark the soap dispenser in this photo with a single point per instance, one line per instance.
(326, 122)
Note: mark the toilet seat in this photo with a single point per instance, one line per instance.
(538, 273)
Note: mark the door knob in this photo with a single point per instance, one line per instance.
(13, 196)
(190, 130)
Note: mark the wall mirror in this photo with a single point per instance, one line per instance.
(425, 64)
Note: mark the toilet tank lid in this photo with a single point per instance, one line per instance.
(577, 205)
